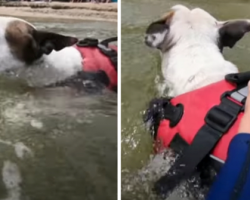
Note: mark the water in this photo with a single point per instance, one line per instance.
(140, 70)
(55, 144)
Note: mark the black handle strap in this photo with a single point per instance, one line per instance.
(93, 42)
(108, 40)
(88, 42)
(238, 78)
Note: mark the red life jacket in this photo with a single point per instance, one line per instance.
(94, 60)
(196, 104)
(204, 121)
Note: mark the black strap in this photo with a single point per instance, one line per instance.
(238, 78)
(88, 42)
(108, 40)
(93, 42)
(106, 50)
(110, 53)
(218, 121)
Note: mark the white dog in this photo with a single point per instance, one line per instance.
(191, 43)
(42, 58)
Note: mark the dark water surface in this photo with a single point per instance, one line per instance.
(140, 69)
(57, 145)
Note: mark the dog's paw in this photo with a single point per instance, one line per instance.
(155, 109)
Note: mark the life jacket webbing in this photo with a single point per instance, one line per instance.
(218, 121)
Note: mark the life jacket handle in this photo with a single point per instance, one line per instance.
(107, 41)
(238, 78)
(88, 42)
(93, 42)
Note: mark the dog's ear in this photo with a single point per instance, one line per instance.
(231, 32)
(157, 31)
(47, 41)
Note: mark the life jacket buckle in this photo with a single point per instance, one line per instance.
(228, 94)
(220, 119)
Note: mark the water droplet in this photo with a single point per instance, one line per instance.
(36, 124)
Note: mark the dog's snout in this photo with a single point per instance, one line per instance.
(148, 40)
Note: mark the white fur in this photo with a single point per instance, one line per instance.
(194, 59)
(156, 39)
(7, 61)
(52, 68)
(49, 69)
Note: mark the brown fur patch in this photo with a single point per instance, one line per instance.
(167, 17)
(19, 27)
(18, 35)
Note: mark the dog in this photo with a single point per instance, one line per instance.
(191, 44)
(41, 58)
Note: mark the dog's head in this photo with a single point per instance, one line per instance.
(182, 24)
(26, 43)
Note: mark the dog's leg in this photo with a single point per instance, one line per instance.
(162, 87)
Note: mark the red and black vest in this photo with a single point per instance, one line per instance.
(196, 106)
(198, 124)
(100, 57)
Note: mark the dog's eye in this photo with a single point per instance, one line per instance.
(150, 38)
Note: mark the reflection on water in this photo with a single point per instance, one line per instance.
(140, 74)
(56, 144)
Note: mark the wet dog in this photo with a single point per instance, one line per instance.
(191, 44)
(39, 57)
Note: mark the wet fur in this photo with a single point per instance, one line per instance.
(191, 44)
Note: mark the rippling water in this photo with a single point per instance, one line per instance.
(140, 70)
(57, 145)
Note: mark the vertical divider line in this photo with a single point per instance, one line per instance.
(119, 103)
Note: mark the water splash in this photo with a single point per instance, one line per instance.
(140, 183)
(12, 180)
(20, 148)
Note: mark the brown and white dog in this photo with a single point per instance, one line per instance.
(191, 43)
(39, 57)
